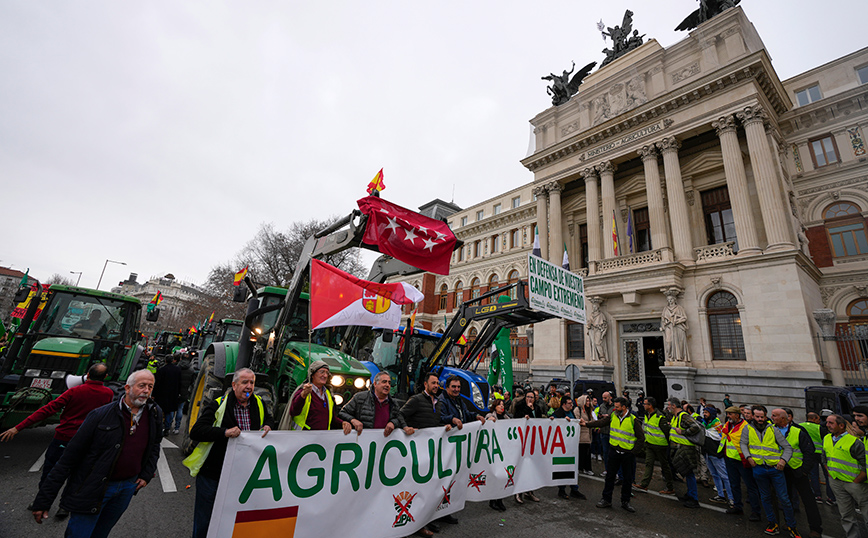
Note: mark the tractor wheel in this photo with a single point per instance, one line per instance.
(207, 388)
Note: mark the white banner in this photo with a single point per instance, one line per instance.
(325, 483)
(555, 290)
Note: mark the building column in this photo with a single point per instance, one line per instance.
(736, 182)
(556, 231)
(542, 221)
(775, 218)
(607, 183)
(659, 237)
(677, 201)
(592, 210)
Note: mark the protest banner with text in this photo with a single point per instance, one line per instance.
(555, 290)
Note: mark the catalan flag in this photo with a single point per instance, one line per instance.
(376, 184)
(158, 298)
(239, 276)
(268, 522)
(614, 234)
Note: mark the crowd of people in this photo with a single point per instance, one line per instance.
(106, 449)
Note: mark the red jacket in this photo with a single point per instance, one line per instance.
(76, 403)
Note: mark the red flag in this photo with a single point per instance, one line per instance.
(421, 241)
(339, 298)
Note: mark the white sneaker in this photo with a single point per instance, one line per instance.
(589, 473)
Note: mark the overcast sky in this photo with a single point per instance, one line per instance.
(162, 133)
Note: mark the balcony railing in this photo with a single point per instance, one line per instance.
(716, 252)
(642, 259)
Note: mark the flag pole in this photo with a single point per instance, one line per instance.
(309, 318)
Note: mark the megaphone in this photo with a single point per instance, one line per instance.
(75, 380)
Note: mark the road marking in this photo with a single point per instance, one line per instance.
(165, 473)
(39, 462)
(165, 443)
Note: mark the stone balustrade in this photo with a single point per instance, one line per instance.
(642, 259)
(714, 252)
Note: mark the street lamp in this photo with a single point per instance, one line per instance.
(79, 276)
(103, 270)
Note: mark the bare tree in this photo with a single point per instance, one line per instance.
(57, 278)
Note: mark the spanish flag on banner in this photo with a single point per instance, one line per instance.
(239, 276)
(158, 298)
(376, 184)
(614, 234)
(269, 522)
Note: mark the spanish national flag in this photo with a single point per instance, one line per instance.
(211, 318)
(239, 276)
(269, 522)
(376, 184)
(158, 298)
(614, 234)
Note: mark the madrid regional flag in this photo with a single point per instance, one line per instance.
(339, 298)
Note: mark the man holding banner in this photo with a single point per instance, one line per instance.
(312, 406)
(375, 409)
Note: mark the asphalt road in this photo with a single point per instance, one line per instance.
(165, 507)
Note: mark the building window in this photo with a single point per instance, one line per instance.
(857, 333)
(459, 293)
(474, 288)
(497, 208)
(444, 293)
(724, 324)
(846, 229)
(461, 254)
(808, 95)
(492, 282)
(575, 340)
(495, 243)
(477, 249)
(514, 238)
(719, 224)
(479, 215)
(641, 230)
(583, 240)
(516, 202)
(512, 279)
(824, 151)
(862, 73)
(463, 221)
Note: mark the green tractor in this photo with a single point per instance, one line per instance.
(167, 343)
(75, 328)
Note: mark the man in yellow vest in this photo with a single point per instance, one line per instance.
(737, 468)
(814, 426)
(798, 467)
(626, 439)
(656, 446)
(767, 451)
(685, 455)
(844, 457)
(312, 406)
(239, 410)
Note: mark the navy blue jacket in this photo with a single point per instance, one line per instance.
(449, 409)
(90, 457)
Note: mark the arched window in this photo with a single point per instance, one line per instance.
(471, 335)
(492, 285)
(459, 293)
(846, 229)
(512, 279)
(474, 288)
(724, 324)
(444, 293)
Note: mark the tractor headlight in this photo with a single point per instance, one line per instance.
(477, 396)
(359, 383)
(339, 399)
(367, 383)
(58, 374)
(337, 380)
(33, 372)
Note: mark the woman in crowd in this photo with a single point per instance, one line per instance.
(528, 408)
(498, 412)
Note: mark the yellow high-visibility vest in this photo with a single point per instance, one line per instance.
(299, 422)
(766, 450)
(674, 435)
(653, 432)
(621, 433)
(195, 460)
(842, 466)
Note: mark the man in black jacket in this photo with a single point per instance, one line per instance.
(420, 411)
(375, 408)
(112, 456)
(167, 391)
(242, 410)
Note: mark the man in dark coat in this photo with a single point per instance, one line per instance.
(167, 391)
(242, 410)
(112, 456)
(375, 408)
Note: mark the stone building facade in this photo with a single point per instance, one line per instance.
(714, 210)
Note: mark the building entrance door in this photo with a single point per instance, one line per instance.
(641, 343)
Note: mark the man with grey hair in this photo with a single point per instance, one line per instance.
(375, 408)
(112, 456)
(225, 418)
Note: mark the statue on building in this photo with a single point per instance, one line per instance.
(707, 10)
(598, 327)
(563, 88)
(673, 322)
(622, 41)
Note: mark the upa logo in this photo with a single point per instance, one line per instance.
(447, 497)
(376, 304)
(403, 502)
(510, 476)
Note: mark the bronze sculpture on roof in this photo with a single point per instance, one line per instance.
(707, 10)
(563, 88)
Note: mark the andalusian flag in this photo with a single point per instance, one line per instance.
(158, 298)
(566, 261)
(376, 184)
(536, 248)
(24, 278)
(614, 233)
(239, 276)
(268, 522)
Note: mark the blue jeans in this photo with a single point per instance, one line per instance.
(738, 472)
(767, 477)
(52, 455)
(206, 493)
(178, 414)
(690, 481)
(118, 495)
(717, 469)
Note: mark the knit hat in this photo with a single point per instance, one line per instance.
(733, 409)
(316, 365)
(861, 409)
